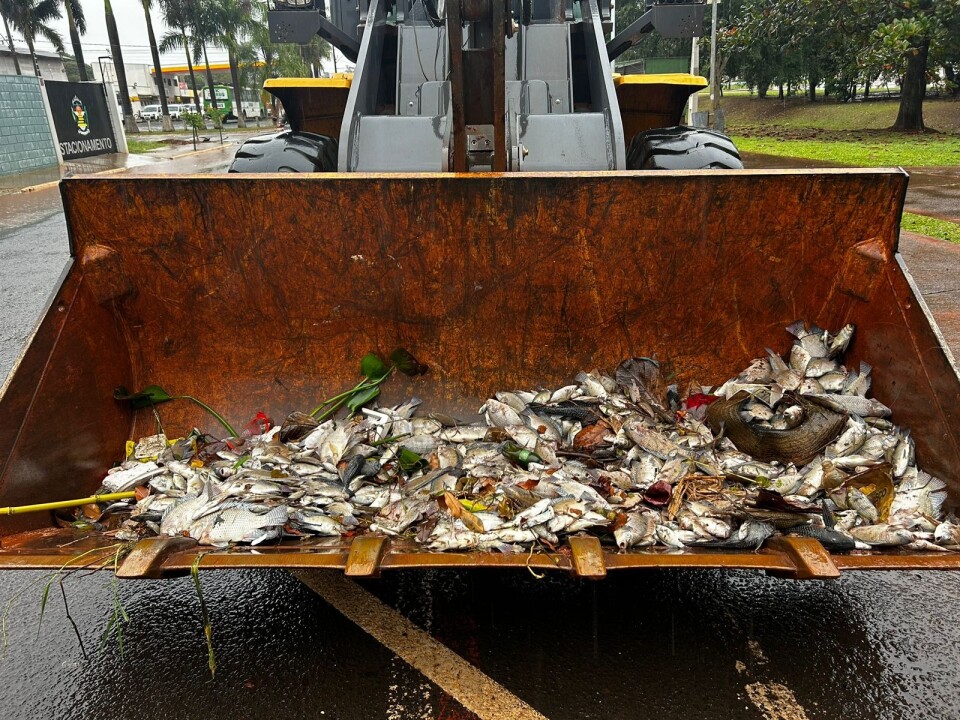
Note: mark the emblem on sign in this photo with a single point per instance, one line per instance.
(80, 115)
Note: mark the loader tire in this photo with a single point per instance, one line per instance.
(682, 148)
(287, 151)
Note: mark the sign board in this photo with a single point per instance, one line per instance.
(81, 118)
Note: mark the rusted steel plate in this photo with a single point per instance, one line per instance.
(493, 281)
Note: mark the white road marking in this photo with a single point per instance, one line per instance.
(477, 692)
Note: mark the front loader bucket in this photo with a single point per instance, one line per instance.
(261, 293)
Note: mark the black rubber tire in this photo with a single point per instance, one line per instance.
(286, 151)
(682, 148)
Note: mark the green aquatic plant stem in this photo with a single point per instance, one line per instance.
(218, 416)
(340, 400)
(205, 616)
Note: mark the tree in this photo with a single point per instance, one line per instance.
(916, 32)
(31, 18)
(6, 11)
(234, 21)
(205, 25)
(72, 67)
(157, 70)
(129, 122)
(78, 26)
(176, 14)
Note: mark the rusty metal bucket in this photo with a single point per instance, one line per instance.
(260, 293)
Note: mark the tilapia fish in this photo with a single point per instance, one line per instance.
(636, 459)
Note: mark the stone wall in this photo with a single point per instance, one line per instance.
(26, 141)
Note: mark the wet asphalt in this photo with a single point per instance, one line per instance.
(653, 644)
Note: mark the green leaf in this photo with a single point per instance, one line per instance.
(361, 398)
(410, 461)
(371, 366)
(406, 363)
(150, 395)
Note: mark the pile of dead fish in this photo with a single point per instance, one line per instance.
(791, 446)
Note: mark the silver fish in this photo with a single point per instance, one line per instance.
(864, 407)
(637, 531)
(245, 524)
(881, 535)
(132, 476)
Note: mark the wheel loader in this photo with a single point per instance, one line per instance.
(485, 191)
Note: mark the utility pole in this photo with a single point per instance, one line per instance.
(714, 78)
(694, 69)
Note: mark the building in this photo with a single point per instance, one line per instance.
(51, 66)
(140, 85)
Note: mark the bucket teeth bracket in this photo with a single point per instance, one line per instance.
(146, 558)
(809, 557)
(366, 554)
(588, 559)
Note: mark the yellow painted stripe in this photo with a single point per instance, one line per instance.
(341, 80)
(477, 692)
(661, 79)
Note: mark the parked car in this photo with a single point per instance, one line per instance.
(151, 112)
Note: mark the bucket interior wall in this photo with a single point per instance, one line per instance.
(262, 293)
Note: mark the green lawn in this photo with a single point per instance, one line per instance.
(931, 226)
(867, 149)
(142, 146)
(752, 116)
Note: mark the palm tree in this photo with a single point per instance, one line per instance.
(177, 14)
(30, 18)
(234, 21)
(205, 24)
(129, 121)
(6, 10)
(78, 26)
(158, 71)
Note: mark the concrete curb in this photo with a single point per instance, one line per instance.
(54, 183)
(114, 171)
(199, 152)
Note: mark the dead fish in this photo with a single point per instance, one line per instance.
(841, 341)
(811, 340)
(784, 375)
(832, 381)
(832, 540)
(132, 476)
(903, 454)
(922, 494)
(245, 524)
(315, 522)
(858, 383)
(854, 404)
(947, 533)
(669, 535)
(820, 368)
(651, 440)
(751, 535)
(881, 535)
(850, 440)
(638, 531)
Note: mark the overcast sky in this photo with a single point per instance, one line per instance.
(132, 28)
